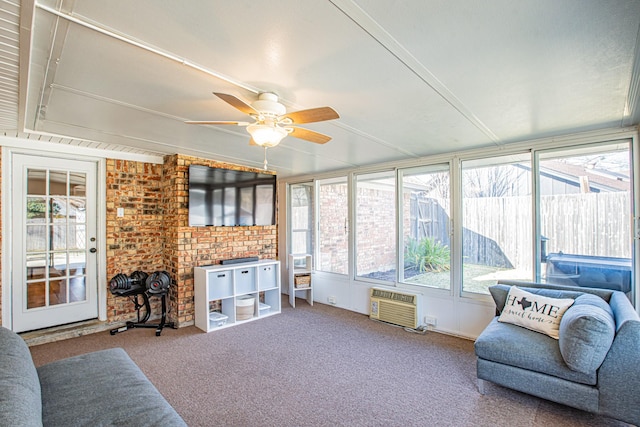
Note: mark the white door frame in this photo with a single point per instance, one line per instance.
(7, 273)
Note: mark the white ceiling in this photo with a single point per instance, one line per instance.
(408, 78)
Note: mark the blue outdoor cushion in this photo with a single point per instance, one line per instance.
(587, 330)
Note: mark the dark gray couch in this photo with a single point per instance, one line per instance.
(533, 363)
(102, 388)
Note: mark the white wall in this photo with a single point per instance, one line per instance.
(465, 317)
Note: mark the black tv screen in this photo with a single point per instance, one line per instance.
(225, 197)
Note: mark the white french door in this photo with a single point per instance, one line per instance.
(54, 260)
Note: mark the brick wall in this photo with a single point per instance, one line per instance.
(334, 244)
(187, 247)
(134, 242)
(375, 228)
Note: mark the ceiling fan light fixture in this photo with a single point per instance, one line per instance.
(266, 135)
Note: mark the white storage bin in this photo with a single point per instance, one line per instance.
(245, 280)
(220, 284)
(263, 308)
(217, 319)
(267, 278)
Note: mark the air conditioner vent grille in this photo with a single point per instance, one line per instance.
(394, 307)
(393, 296)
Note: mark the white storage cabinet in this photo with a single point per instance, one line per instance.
(235, 286)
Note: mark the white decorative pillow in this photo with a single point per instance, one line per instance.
(535, 312)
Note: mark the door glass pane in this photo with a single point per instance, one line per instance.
(77, 237)
(77, 209)
(58, 209)
(425, 223)
(77, 289)
(36, 294)
(301, 208)
(497, 221)
(376, 226)
(58, 237)
(36, 266)
(36, 238)
(78, 184)
(36, 182)
(36, 210)
(57, 183)
(59, 266)
(585, 217)
(58, 292)
(77, 260)
(333, 228)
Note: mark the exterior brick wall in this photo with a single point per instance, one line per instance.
(375, 228)
(334, 244)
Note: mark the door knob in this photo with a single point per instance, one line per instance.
(93, 250)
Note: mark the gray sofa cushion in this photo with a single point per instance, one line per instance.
(103, 388)
(516, 346)
(20, 401)
(586, 333)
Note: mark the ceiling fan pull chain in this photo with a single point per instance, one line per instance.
(265, 158)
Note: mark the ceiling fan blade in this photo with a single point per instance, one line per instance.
(309, 135)
(215, 122)
(311, 115)
(237, 103)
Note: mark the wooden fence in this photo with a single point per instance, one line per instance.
(498, 230)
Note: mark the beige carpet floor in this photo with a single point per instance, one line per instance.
(321, 366)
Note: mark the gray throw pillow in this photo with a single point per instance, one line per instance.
(586, 334)
(594, 300)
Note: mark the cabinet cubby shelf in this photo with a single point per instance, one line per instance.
(241, 292)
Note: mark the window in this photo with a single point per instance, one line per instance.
(301, 211)
(333, 226)
(497, 221)
(425, 226)
(376, 226)
(585, 216)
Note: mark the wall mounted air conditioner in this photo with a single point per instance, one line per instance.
(395, 306)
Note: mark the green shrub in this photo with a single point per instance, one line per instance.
(427, 255)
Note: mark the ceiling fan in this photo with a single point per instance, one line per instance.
(272, 122)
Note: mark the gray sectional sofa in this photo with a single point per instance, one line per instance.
(102, 388)
(593, 366)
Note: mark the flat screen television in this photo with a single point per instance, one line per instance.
(224, 197)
